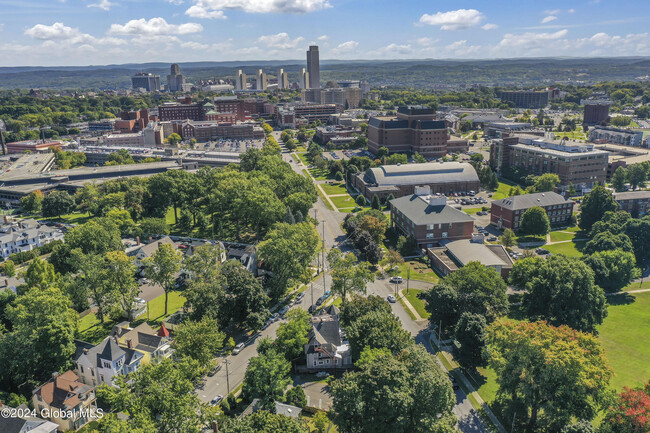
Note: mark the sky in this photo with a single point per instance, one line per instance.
(98, 32)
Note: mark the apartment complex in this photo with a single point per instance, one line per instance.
(290, 115)
(609, 134)
(575, 163)
(637, 203)
(347, 97)
(527, 98)
(429, 219)
(401, 180)
(146, 81)
(209, 130)
(506, 213)
(596, 112)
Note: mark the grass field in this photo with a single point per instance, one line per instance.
(419, 271)
(503, 190)
(625, 336)
(303, 158)
(335, 188)
(322, 197)
(92, 331)
(407, 309)
(472, 210)
(71, 218)
(486, 385)
(417, 303)
(343, 201)
(561, 235)
(571, 249)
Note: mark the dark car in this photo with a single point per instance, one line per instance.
(215, 370)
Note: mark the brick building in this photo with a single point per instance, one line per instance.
(527, 98)
(575, 163)
(506, 213)
(204, 131)
(637, 203)
(401, 180)
(172, 111)
(429, 219)
(595, 112)
(413, 129)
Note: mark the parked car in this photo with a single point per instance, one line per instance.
(391, 299)
(274, 317)
(321, 374)
(319, 301)
(396, 280)
(215, 401)
(284, 310)
(267, 324)
(299, 297)
(215, 370)
(492, 239)
(238, 348)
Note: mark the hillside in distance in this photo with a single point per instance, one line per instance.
(426, 73)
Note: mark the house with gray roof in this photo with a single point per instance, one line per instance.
(429, 219)
(327, 347)
(25, 236)
(453, 255)
(506, 213)
(401, 179)
(148, 250)
(100, 364)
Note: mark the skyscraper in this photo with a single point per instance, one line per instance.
(175, 80)
(147, 81)
(240, 81)
(283, 79)
(313, 67)
(303, 79)
(261, 82)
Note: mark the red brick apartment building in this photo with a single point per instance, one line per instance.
(506, 213)
(637, 203)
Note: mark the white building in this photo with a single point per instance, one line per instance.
(25, 236)
(96, 365)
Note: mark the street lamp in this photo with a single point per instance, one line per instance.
(225, 361)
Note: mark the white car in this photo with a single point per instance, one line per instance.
(238, 348)
(215, 401)
(397, 280)
(322, 374)
(391, 299)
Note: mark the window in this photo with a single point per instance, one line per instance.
(429, 235)
(429, 226)
(81, 369)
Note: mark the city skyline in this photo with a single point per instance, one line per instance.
(83, 32)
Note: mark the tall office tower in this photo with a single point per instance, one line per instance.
(283, 79)
(313, 67)
(240, 81)
(304, 79)
(175, 80)
(261, 83)
(147, 81)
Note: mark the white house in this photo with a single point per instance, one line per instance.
(100, 364)
(25, 236)
(327, 347)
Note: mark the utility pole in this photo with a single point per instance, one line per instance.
(324, 286)
(225, 361)
(408, 277)
(312, 293)
(318, 255)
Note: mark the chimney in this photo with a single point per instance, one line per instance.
(137, 238)
(129, 343)
(116, 340)
(55, 375)
(85, 351)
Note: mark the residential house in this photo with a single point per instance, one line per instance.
(24, 425)
(96, 365)
(153, 345)
(327, 347)
(148, 250)
(280, 409)
(25, 236)
(507, 213)
(70, 403)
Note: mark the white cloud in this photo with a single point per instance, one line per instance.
(103, 4)
(154, 26)
(320, 38)
(552, 12)
(399, 49)
(281, 41)
(426, 42)
(548, 19)
(453, 20)
(571, 11)
(530, 41)
(215, 8)
(346, 47)
(461, 49)
(56, 31)
(176, 2)
(489, 26)
(201, 12)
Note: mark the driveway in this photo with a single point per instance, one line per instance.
(317, 391)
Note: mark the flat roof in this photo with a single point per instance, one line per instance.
(466, 251)
(550, 151)
(421, 174)
(631, 195)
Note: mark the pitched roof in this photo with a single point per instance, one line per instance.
(325, 331)
(287, 410)
(631, 195)
(418, 210)
(162, 331)
(527, 201)
(64, 390)
(152, 247)
(421, 174)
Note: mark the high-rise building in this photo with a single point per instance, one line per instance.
(261, 82)
(283, 79)
(596, 111)
(313, 67)
(147, 81)
(240, 83)
(175, 80)
(304, 79)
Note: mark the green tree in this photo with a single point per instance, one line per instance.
(443, 305)
(199, 340)
(57, 203)
(263, 421)
(382, 152)
(508, 239)
(8, 268)
(292, 335)
(582, 426)
(41, 340)
(639, 233)
(173, 139)
(287, 250)
(32, 202)
(375, 202)
(546, 182)
(162, 266)
(402, 393)
(40, 274)
(613, 269)
(419, 158)
(606, 241)
(554, 373)
(92, 281)
(296, 396)
(268, 129)
(470, 332)
(320, 421)
(266, 378)
(154, 226)
(362, 305)
(619, 179)
(246, 302)
(348, 275)
(594, 206)
(637, 175)
(535, 222)
(377, 330)
(361, 200)
(120, 278)
(561, 290)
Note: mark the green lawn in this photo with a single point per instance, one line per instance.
(637, 286)
(503, 190)
(335, 188)
(625, 336)
(407, 309)
(472, 210)
(486, 384)
(303, 158)
(419, 271)
(571, 249)
(71, 218)
(322, 197)
(417, 303)
(343, 201)
(561, 235)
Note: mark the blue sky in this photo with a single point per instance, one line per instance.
(82, 32)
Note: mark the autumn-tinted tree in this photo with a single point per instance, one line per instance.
(555, 373)
(630, 413)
